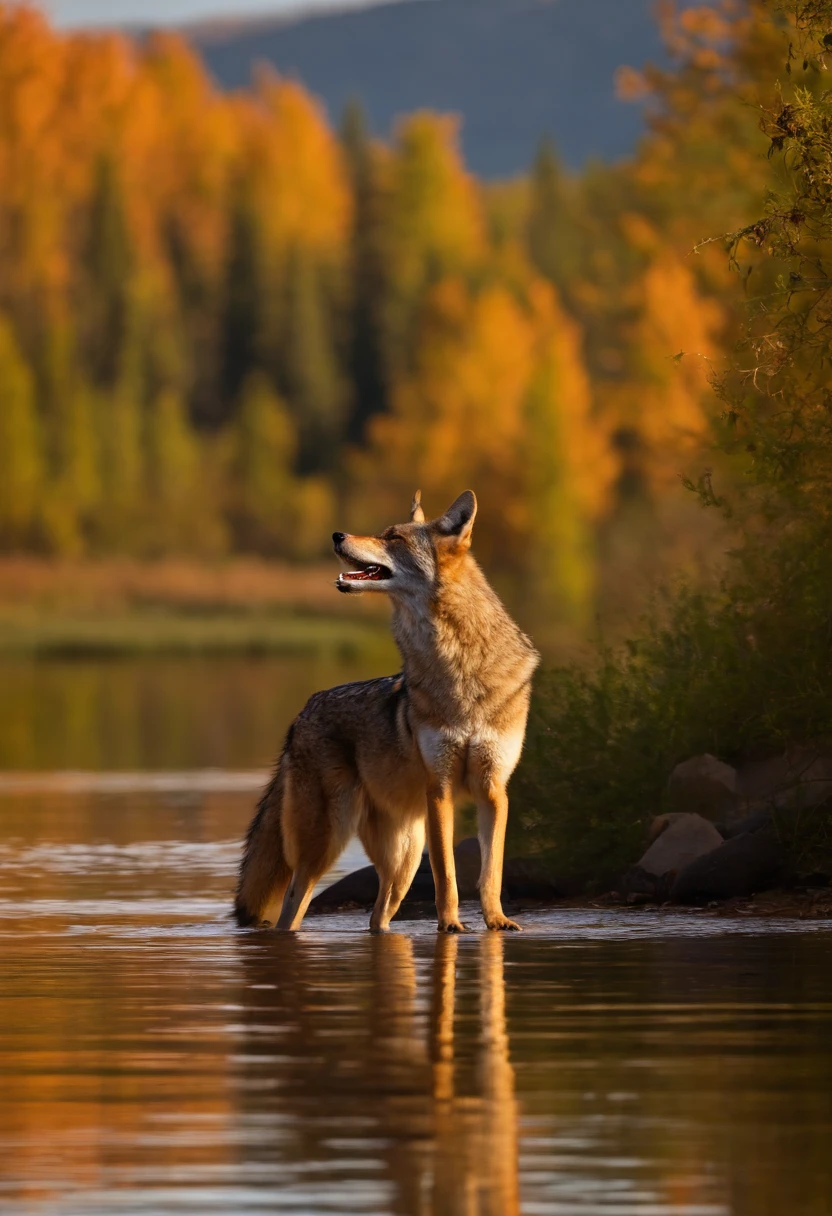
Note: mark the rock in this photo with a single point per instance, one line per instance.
(528, 878)
(800, 777)
(704, 785)
(752, 823)
(360, 887)
(742, 866)
(647, 887)
(422, 889)
(637, 883)
(678, 840)
(523, 878)
(468, 860)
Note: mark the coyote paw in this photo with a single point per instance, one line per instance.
(451, 926)
(503, 924)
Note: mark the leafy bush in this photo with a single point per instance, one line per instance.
(726, 674)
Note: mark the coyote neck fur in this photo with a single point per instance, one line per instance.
(464, 658)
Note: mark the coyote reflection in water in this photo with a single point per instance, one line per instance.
(374, 1083)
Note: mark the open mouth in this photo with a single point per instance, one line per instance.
(366, 573)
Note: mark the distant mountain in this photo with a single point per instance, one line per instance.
(515, 70)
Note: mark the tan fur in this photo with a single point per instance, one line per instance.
(384, 759)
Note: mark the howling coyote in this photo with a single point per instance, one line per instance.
(383, 758)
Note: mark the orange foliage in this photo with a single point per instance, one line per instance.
(165, 246)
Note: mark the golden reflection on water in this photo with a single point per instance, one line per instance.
(476, 1141)
(156, 1060)
(449, 1146)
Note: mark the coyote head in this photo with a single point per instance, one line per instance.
(408, 559)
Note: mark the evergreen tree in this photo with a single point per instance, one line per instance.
(547, 235)
(118, 520)
(22, 465)
(366, 360)
(569, 472)
(75, 490)
(309, 369)
(109, 270)
(264, 449)
(432, 226)
(244, 303)
(196, 301)
(172, 454)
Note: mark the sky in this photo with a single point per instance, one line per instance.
(76, 13)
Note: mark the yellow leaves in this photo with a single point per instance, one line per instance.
(630, 84)
(705, 21)
(430, 192)
(21, 454)
(460, 415)
(432, 214)
(676, 340)
(68, 101)
(499, 399)
(639, 232)
(582, 452)
(298, 168)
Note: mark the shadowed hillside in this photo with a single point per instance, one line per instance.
(513, 69)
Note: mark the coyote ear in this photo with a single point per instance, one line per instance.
(458, 520)
(417, 515)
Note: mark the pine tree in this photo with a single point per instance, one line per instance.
(244, 304)
(264, 447)
(366, 359)
(309, 370)
(109, 271)
(118, 522)
(173, 467)
(569, 472)
(432, 227)
(75, 490)
(547, 237)
(22, 465)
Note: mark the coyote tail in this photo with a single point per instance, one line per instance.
(264, 871)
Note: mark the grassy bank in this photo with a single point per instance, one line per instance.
(89, 609)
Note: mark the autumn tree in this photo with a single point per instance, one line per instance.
(21, 447)
(366, 353)
(107, 285)
(263, 450)
(431, 226)
(244, 304)
(308, 368)
(549, 229)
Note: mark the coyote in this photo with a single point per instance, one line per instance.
(382, 758)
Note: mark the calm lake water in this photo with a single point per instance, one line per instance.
(157, 713)
(155, 1059)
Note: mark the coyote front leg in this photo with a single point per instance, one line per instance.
(492, 815)
(441, 850)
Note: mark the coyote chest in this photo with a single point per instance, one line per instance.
(460, 755)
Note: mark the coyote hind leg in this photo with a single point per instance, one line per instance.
(315, 835)
(298, 896)
(395, 849)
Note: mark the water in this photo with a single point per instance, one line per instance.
(155, 1059)
(157, 713)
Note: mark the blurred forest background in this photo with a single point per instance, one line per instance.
(228, 326)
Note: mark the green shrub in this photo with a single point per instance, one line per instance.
(739, 674)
